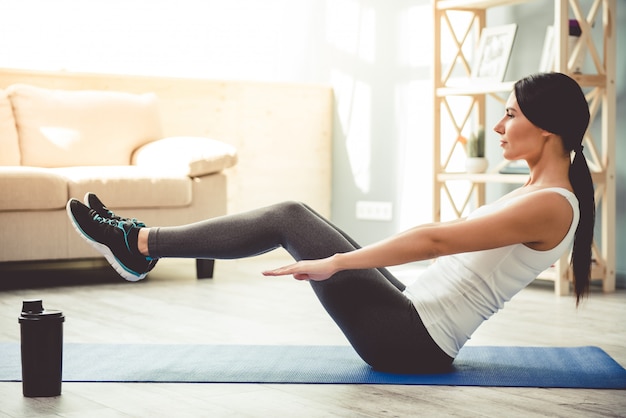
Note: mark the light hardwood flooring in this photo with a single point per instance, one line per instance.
(239, 306)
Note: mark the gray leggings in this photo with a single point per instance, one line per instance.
(368, 305)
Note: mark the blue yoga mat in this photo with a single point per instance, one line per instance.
(562, 367)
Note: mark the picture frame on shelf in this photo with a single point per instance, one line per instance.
(494, 51)
(546, 64)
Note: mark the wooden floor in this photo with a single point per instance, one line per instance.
(240, 306)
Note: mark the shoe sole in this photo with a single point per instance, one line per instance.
(127, 274)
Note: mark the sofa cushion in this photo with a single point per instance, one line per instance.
(62, 128)
(129, 186)
(9, 146)
(31, 188)
(194, 156)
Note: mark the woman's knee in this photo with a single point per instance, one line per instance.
(293, 212)
(292, 207)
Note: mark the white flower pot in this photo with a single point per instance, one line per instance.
(476, 164)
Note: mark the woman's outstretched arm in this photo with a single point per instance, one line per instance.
(539, 220)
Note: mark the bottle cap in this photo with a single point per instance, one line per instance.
(33, 310)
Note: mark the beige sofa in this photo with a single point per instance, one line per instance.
(56, 144)
(281, 131)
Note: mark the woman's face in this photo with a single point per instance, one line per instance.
(519, 138)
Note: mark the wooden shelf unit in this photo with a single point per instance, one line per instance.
(599, 87)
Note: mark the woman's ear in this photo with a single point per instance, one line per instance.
(546, 134)
(552, 138)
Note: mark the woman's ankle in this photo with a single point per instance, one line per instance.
(142, 241)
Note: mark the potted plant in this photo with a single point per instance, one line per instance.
(475, 148)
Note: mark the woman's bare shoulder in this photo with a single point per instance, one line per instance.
(539, 220)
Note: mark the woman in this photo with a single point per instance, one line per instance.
(481, 261)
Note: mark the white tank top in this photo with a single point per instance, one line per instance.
(456, 293)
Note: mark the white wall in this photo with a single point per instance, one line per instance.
(234, 39)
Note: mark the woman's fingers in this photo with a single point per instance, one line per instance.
(281, 271)
(303, 270)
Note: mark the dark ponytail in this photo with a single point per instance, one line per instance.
(580, 178)
(556, 103)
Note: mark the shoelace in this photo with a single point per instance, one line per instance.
(134, 221)
(111, 221)
(116, 223)
(137, 223)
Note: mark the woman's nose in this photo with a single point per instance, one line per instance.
(499, 128)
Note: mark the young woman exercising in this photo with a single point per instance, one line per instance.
(481, 261)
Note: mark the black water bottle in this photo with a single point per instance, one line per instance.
(42, 349)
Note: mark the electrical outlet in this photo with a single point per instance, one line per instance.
(374, 211)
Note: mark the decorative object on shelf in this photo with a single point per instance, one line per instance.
(494, 51)
(476, 164)
(475, 150)
(547, 54)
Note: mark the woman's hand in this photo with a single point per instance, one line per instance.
(316, 270)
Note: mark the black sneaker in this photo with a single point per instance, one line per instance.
(110, 237)
(96, 204)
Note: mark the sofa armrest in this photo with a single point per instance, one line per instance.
(193, 155)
